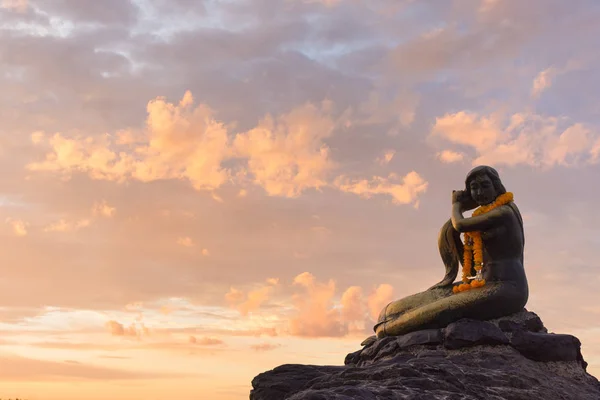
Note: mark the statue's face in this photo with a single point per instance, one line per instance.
(482, 189)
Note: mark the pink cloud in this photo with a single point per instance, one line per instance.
(264, 347)
(253, 299)
(205, 341)
(404, 192)
(379, 298)
(524, 138)
(117, 329)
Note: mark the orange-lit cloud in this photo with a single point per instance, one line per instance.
(285, 155)
(205, 341)
(288, 155)
(19, 227)
(386, 157)
(379, 298)
(15, 5)
(543, 81)
(67, 226)
(403, 190)
(449, 156)
(134, 330)
(185, 241)
(315, 315)
(524, 138)
(254, 299)
(103, 209)
(264, 346)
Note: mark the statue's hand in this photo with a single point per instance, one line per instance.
(458, 196)
(465, 201)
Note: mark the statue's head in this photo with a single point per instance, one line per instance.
(483, 185)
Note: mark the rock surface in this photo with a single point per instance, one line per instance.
(508, 358)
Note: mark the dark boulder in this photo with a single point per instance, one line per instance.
(507, 358)
(469, 332)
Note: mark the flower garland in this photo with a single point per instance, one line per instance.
(474, 248)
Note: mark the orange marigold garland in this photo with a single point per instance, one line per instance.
(474, 248)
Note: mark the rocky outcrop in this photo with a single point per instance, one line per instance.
(509, 358)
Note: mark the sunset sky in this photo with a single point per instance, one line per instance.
(196, 191)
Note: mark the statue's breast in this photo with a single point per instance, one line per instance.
(494, 233)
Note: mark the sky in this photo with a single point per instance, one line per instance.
(193, 192)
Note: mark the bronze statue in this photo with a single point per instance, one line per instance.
(494, 282)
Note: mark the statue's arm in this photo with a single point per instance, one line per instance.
(483, 222)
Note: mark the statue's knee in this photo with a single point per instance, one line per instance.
(383, 314)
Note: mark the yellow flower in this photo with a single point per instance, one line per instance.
(473, 247)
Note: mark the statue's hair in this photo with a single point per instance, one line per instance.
(491, 173)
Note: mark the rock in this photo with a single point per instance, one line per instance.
(372, 351)
(481, 372)
(389, 346)
(533, 324)
(286, 379)
(469, 359)
(352, 358)
(468, 332)
(547, 346)
(524, 320)
(428, 336)
(510, 326)
(369, 341)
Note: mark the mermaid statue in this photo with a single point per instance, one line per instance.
(493, 278)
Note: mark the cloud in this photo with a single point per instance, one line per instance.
(205, 341)
(543, 81)
(379, 298)
(353, 308)
(19, 6)
(315, 316)
(111, 12)
(574, 141)
(180, 142)
(253, 300)
(88, 155)
(449, 156)
(379, 108)
(37, 137)
(524, 138)
(19, 227)
(545, 78)
(285, 156)
(67, 226)
(386, 157)
(468, 129)
(183, 143)
(352, 304)
(134, 330)
(185, 241)
(406, 192)
(19, 314)
(103, 209)
(318, 312)
(264, 347)
(288, 155)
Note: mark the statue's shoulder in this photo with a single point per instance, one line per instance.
(509, 211)
(512, 206)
